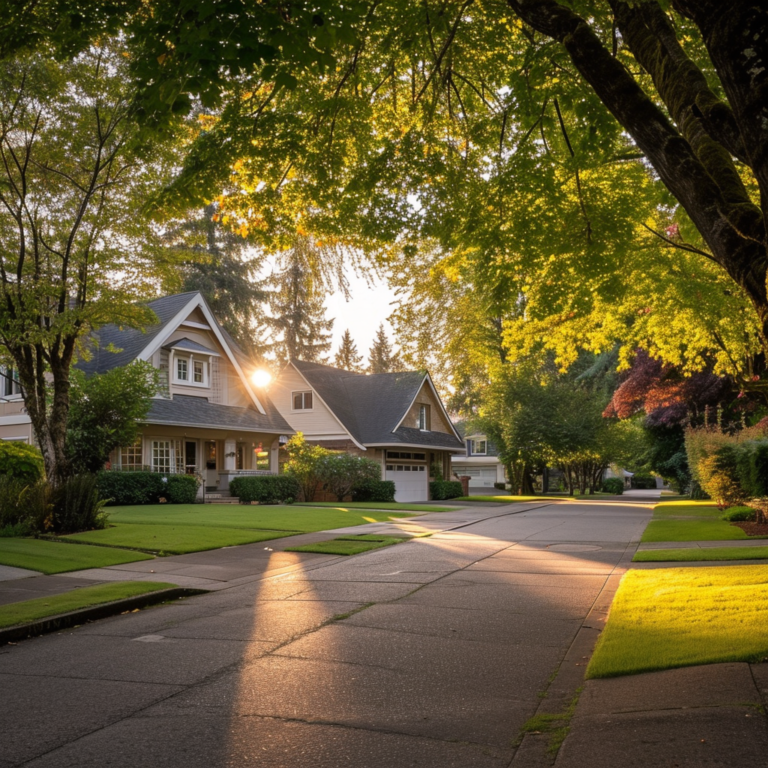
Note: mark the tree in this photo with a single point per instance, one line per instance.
(74, 250)
(341, 472)
(105, 412)
(381, 357)
(300, 330)
(303, 464)
(347, 357)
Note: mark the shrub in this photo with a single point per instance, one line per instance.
(77, 505)
(500, 486)
(614, 485)
(758, 469)
(130, 487)
(21, 461)
(302, 464)
(445, 489)
(374, 490)
(13, 511)
(340, 472)
(738, 514)
(181, 489)
(719, 477)
(643, 481)
(266, 489)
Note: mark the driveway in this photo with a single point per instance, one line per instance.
(430, 653)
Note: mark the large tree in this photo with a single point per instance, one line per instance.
(347, 357)
(74, 251)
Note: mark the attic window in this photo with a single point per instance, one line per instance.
(478, 447)
(424, 417)
(182, 369)
(302, 401)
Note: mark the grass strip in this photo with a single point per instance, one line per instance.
(43, 607)
(679, 617)
(694, 554)
(346, 506)
(174, 539)
(509, 499)
(705, 511)
(348, 545)
(54, 557)
(693, 529)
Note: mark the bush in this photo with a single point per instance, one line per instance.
(613, 485)
(340, 472)
(14, 513)
(758, 469)
(266, 489)
(181, 489)
(303, 464)
(643, 481)
(130, 487)
(382, 491)
(738, 514)
(719, 477)
(21, 461)
(77, 505)
(445, 489)
(500, 486)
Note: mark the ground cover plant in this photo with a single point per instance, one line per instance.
(43, 607)
(698, 554)
(348, 545)
(56, 557)
(678, 617)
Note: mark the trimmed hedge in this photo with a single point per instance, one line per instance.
(445, 489)
(146, 487)
(382, 491)
(266, 489)
(738, 514)
(614, 485)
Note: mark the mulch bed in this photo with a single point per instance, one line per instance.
(753, 529)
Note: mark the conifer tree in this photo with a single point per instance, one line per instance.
(382, 358)
(347, 357)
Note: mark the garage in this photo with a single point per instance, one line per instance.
(410, 481)
(479, 477)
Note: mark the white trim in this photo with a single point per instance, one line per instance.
(302, 392)
(193, 324)
(428, 378)
(398, 446)
(220, 427)
(198, 301)
(317, 395)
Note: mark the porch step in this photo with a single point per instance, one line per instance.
(220, 498)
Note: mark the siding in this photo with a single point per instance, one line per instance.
(438, 422)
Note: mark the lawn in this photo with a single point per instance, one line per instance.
(403, 506)
(43, 607)
(679, 617)
(703, 509)
(693, 554)
(53, 557)
(178, 539)
(508, 499)
(694, 529)
(348, 545)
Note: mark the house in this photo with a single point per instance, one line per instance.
(396, 419)
(479, 461)
(207, 419)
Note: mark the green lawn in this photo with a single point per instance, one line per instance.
(678, 617)
(174, 539)
(703, 509)
(693, 554)
(348, 545)
(508, 499)
(54, 557)
(42, 607)
(386, 505)
(693, 529)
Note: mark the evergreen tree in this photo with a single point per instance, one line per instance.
(381, 358)
(300, 330)
(347, 357)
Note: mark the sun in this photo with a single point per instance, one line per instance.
(261, 378)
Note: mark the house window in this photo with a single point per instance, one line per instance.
(199, 372)
(161, 456)
(182, 369)
(424, 417)
(302, 401)
(478, 447)
(9, 382)
(130, 456)
(406, 455)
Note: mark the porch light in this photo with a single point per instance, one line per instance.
(261, 378)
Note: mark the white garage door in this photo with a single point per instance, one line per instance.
(478, 476)
(410, 481)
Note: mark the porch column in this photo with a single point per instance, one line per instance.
(274, 456)
(229, 455)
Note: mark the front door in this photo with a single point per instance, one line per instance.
(190, 457)
(211, 475)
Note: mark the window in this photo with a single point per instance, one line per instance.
(182, 369)
(406, 455)
(302, 401)
(161, 456)
(9, 382)
(199, 373)
(130, 456)
(478, 447)
(424, 417)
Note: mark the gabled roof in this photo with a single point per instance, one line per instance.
(466, 433)
(372, 407)
(190, 346)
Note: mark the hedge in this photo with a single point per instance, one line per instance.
(643, 481)
(382, 491)
(445, 489)
(614, 485)
(146, 487)
(266, 489)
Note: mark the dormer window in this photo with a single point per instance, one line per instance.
(302, 401)
(199, 372)
(478, 446)
(191, 372)
(182, 369)
(424, 418)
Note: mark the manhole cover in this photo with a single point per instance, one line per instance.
(574, 547)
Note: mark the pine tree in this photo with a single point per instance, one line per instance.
(347, 357)
(382, 358)
(300, 330)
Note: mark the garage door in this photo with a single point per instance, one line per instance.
(478, 476)
(410, 481)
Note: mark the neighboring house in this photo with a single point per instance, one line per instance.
(207, 418)
(479, 461)
(396, 419)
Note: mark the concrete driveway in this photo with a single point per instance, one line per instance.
(431, 653)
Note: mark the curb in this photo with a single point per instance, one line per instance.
(92, 613)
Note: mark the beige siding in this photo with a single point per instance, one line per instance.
(14, 423)
(437, 421)
(317, 424)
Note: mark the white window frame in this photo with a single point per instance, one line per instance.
(133, 451)
(157, 446)
(424, 418)
(9, 381)
(303, 393)
(475, 451)
(190, 361)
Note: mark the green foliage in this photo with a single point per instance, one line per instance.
(303, 464)
(121, 488)
(14, 514)
(20, 461)
(445, 489)
(267, 489)
(105, 411)
(436, 471)
(347, 357)
(181, 489)
(382, 491)
(381, 357)
(77, 506)
(340, 472)
(643, 481)
(738, 514)
(614, 485)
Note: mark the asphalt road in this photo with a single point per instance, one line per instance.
(431, 653)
